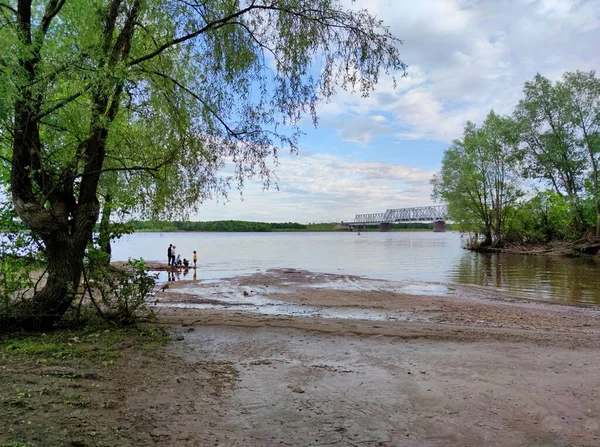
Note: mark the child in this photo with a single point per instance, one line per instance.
(195, 258)
(178, 262)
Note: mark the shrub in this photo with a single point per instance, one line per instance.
(120, 295)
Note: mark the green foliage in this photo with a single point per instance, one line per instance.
(19, 261)
(478, 179)
(196, 88)
(554, 139)
(120, 295)
(154, 106)
(560, 125)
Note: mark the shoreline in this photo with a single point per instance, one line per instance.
(292, 357)
(582, 248)
(471, 368)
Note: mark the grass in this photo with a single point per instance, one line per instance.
(102, 345)
(48, 377)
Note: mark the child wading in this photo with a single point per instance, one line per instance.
(195, 258)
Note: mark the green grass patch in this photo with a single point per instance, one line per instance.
(102, 345)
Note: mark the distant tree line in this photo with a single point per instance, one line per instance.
(218, 225)
(532, 176)
(247, 226)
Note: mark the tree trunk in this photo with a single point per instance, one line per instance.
(65, 243)
(597, 217)
(104, 236)
(487, 241)
(65, 263)
(46, 308)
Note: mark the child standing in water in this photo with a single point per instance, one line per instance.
(195, 258)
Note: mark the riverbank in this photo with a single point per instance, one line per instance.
(291, 357)
(584, 247)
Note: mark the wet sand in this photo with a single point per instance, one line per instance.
(298, 358)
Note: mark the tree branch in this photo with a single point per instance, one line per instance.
(10, 8)
(209, 26)
(229, 130)
(61, 104)
(52, 9)
(127, 169)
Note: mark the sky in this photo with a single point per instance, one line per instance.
(464, 58)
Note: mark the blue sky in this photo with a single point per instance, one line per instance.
(465, 57)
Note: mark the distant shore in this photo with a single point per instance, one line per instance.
(243, 226)
(370, 230)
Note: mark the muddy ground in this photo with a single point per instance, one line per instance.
(295, 358)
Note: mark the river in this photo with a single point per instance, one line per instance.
(428, 262)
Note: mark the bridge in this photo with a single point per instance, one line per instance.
(437, 214)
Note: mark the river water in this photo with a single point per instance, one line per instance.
(426, 261)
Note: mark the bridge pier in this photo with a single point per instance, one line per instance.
(385, 227)
(439, 226)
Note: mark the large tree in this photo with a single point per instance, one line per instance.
(550, 141)
(479, 179)
(582, 90)
(163, 93)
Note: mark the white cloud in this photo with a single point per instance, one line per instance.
(321, 187)
(466, 57)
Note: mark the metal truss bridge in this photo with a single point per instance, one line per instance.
(437, 213)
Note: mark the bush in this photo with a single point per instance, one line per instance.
(20, 258)
(120, 295)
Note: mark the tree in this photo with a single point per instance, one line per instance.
(479, 177)
(162, 92)
(502, 158)
(461, 183)
(550, 141)
(583, 110)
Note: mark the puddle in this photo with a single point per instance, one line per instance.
(426, 289)
(227, 295)
(367, 285)
(294, 310)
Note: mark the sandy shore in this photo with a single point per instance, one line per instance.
(295, 358)
(311, 359)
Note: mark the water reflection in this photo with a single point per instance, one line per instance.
(539, 277)
(176, 275)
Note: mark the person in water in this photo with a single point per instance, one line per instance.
(195, 258)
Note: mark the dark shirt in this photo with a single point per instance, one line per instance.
(169, 252)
